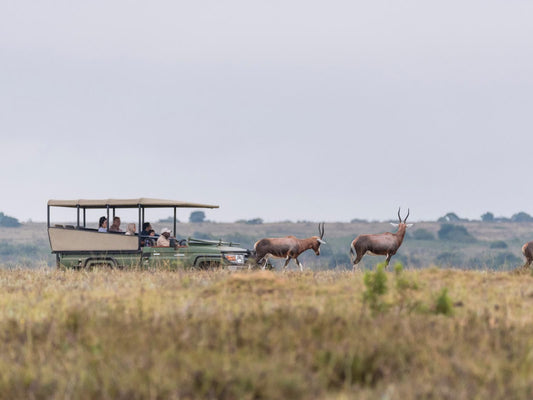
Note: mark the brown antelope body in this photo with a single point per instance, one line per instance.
(288, 248)
(383, 244)
(527, 251)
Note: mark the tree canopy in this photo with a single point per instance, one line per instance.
(197, 217)
(8, 222)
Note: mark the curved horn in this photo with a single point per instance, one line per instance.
(321, 230)
(400, 218)
(405, 220)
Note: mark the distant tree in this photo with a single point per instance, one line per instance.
(168, 219)
(521, 217)
(8, 222)
(197, 217)
(455, 233)
(451, 217)
(423, 234)
(487, 217)
(357, 220)
(254, 221)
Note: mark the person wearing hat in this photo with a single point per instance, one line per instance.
(164, 238)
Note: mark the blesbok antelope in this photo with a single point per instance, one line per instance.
(383, 244)
(527, 251)
(288, 248)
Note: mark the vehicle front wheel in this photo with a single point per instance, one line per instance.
(205, 265)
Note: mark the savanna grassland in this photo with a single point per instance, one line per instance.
(401, 334)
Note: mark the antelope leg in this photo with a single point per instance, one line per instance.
(357, 260)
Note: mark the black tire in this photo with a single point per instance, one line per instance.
(207, 265)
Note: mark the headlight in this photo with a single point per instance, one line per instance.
(235, 258)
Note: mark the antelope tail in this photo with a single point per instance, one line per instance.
(352, 252)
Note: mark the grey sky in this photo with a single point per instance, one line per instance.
(274, 109)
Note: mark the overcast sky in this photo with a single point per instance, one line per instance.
(283, 110)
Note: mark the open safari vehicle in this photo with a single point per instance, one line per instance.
(77, 246)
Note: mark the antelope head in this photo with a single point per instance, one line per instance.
(402, 224)
(318, 240)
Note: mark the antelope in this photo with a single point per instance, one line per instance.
(383, 244)
(527, 251)
(288, 248)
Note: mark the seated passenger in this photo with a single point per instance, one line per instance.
(164, 238)
(145, 232)
(115, 226)
(148, 241)
(102, 224)
(131, 230)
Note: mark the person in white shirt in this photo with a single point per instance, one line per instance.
(102, 224)
(164, 238)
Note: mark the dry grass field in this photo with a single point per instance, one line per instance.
(413, 334)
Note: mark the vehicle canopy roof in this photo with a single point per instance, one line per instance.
(126, 203)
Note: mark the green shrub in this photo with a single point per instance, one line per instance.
(376, 287)
(402, 283)
(443, 303)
